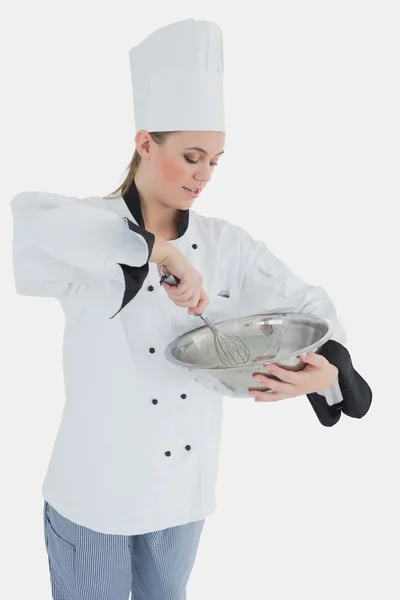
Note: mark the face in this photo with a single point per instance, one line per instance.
(187, 159)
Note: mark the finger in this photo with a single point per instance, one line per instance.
(203, 302)
(261, 379)
(181, 304)
(276, 386)
(172, 290)
(178, 290)
(194, 302)
(188, 304)
(178, 295)
(273, 397)
(285, 375)
(196, 297)
(186, 297)
(312, 358)
(182, 292)
(267, 396)
(191, 303)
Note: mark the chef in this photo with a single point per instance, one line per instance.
(133, 470)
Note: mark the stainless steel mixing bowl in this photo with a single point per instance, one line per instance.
(273, 338)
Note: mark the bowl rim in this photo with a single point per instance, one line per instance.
(312, 318)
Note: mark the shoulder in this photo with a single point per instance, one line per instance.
(234, 242)
(42, 199)
(232, 239)
(221, 227)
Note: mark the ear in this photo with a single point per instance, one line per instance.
(144, 143)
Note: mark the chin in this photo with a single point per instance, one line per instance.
(185, 202)
(185, 205)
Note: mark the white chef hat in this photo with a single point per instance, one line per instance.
(177, 78)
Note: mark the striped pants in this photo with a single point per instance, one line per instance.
(88, 565)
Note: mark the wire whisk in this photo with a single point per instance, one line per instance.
(230, 349)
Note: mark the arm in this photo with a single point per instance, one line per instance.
(267, 285)
(60, 243)
(333, 395)
(354, 390)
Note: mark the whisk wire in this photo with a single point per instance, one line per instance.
(230, 349)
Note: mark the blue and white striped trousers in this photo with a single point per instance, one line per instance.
(89, 565)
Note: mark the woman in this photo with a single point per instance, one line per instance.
(133, 470)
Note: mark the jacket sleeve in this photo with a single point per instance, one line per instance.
(61, 242)
(267, 285)
(355, 391)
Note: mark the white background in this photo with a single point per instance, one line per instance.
(312, 168)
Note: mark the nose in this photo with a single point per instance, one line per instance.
(204, 173)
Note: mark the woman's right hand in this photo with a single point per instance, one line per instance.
(189, 292)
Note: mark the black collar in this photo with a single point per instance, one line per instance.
(132, 201)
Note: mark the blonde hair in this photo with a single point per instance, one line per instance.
(159, 137)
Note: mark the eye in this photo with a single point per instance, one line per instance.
(194, 162)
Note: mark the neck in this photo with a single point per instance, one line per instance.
(159, 219)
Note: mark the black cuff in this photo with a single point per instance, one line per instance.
(356, 393)
(327, 415)
(135, 276)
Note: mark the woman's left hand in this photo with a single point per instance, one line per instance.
(318, 375)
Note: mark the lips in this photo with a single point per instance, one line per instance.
(192, 194)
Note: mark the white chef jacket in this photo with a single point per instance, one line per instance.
(138, 443)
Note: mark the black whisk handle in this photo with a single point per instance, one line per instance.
(167, 276)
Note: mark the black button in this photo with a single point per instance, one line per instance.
(155, 401)
(194, 246)
(183, 396)
(152, 350)
(168, 453)
(188, 447)
(150, 288)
